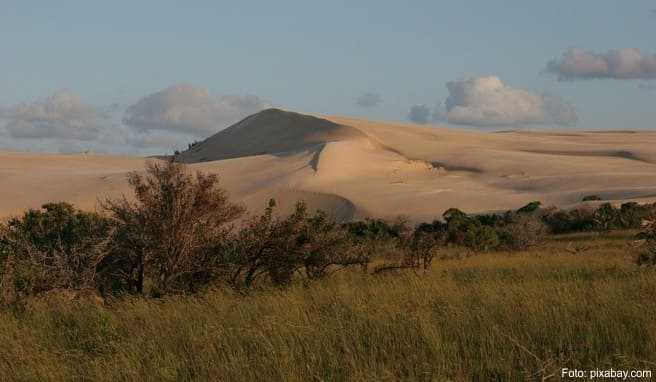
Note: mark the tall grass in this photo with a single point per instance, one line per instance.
(495, 316)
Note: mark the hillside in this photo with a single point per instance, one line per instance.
(357, 168)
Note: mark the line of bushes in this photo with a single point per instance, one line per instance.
(181, 234)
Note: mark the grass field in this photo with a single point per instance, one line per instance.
(578, 302)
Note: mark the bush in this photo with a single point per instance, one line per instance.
(648, 234)
(278, 248)
(171, 235)
(590, 198)
(462, 229)
(56, 247)
(374, 229)
(606, 217)
(577, 220)
(530, 208)
(481, 238)
(524, 231)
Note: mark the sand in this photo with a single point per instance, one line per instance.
(356, 168)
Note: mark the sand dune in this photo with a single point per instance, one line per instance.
(357, 168)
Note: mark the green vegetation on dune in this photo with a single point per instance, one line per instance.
(492, 316)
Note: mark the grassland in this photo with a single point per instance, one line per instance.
(578, 302)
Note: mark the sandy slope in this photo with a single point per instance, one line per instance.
(358, 168)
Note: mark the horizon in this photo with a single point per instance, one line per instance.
(95, 77)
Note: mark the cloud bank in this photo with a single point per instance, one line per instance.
(158, 123)
(626, 63)
(368, 100)
(487, 101)
(62, 115)
(187, 109)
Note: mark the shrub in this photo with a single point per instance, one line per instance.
(576, 220)
(277, 248)
(423, 244)
(171, 233)
(374, 229)
(523, 231)
(589, 198)
(648, 257)
(56, 247)
(606, 217)
(530, 208)
(481, 238)
(632, 214)
(466, 230)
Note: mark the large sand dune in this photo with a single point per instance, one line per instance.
(357, 168)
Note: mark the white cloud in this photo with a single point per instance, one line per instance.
(186, 109)
(62, 115)
(626, 63)
(486, 101)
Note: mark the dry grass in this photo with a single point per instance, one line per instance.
(579, 302)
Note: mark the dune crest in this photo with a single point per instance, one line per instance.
(356, 168)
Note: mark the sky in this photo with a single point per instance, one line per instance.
(142, 77)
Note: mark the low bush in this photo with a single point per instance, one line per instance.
(374, 229)
(278, 248)
(590, 198)
(523, 231)
(56, 247)
(648, 234)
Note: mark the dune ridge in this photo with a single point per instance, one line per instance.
(356, 168)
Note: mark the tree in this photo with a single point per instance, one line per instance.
(171, 231)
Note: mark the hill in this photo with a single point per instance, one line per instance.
(357, 168)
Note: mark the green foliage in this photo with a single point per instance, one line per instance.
(590, 198)
(51, 248)
(467, 230)
(577, 220)
(277, 248)
(373, 229)
(59, 227)
(530, 208)
(480, 237)
(606, 217)
(603, 218)
(648, 234)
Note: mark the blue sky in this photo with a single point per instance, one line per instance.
(318, 56)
